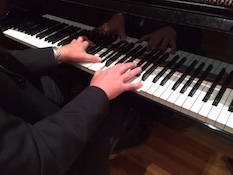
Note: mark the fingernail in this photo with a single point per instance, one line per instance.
(99, 59)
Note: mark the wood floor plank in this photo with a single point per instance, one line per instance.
(168, 152)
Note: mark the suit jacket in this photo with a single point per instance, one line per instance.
(52, 144)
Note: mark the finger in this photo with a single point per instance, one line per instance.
(164, 45)
(73, 41)
(144, 38)
(132, 86)
(92, 59)
(90, 42)
(105, 27)
(80, 39)
(131, 74)
(153, 44)
(122, 35)
(84, 38)
(125, 67)
(85, 44)
(173, 46)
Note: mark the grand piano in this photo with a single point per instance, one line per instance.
(190, 91)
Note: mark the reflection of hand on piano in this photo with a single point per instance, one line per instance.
(75, 51)
(115, 26)
(161, 38)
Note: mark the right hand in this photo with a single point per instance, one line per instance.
(115, 80)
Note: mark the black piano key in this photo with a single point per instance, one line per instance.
(43, 24)
(151, 60)
(135, 56)
(200, 80)
(155, 65)
(177, 66)
(214, 84)
(105, 41)
(169, 64)
(187, 71)
(26, 27)
(231, 107)
(37, 29)
(119, 53)
(10, 23)
(50, 31)
(21, 27)
(93, 49)
(131, 53)
(55, 32)
(112, 47)
(29, 31)
(197, 71)
(146, 58)
(222, 90)
(63, 33)
(71, 37)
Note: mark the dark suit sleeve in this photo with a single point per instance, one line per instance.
(35, 59)
(50, 146)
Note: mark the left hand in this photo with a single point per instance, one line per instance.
(160, 39)
(75, 51)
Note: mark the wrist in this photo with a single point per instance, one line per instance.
(57, 55)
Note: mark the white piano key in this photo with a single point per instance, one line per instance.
(165, 90)
(159, 90)
(206, 108)
(218, 65)
(176, 93)
(148, 82)
(26, 39)
(191, 100)
(154, 86)
(215, 110)
(166, 94)
(167, 86)
(224, 114)
(198, 103)
(183, 96)
(229, 125)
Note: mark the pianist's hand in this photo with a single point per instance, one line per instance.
(115, 80)
(115, 26)
(161, 39)
(75, 51)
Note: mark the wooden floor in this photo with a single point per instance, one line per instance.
(169, 153)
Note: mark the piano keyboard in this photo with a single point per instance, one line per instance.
(197, 86)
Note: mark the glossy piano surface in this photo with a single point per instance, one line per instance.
(204, 14)
(161, 71)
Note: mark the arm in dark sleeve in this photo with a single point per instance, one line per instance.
(53, 144)
(35, 59)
